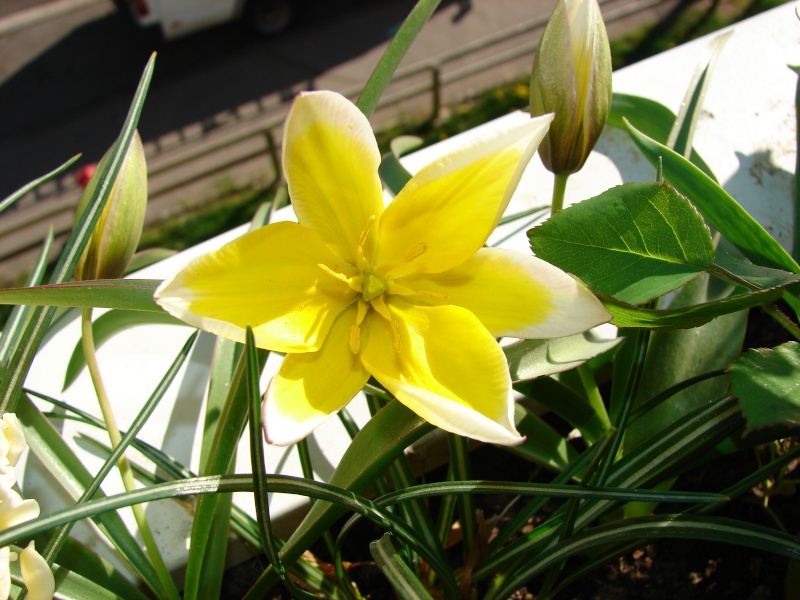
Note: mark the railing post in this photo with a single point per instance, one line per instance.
(436, 91)
(272, 149)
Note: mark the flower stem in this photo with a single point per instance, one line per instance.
(776, 313)
(593, 394)
(87, 340)
(559, 187)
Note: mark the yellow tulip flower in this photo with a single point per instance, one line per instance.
(405, 293)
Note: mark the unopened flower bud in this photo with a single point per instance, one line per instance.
(119, 227)
(572, 77)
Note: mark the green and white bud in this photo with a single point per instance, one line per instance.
(119, 227)
(571, 77)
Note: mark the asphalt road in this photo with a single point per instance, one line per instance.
(66, 86)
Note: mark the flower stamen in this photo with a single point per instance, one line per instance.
(415, 252)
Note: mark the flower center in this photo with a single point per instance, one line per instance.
(373, 286)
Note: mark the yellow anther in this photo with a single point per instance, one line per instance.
(355, 339)
(415, 252)
(396, 335)
(354, 283)
(363, 237)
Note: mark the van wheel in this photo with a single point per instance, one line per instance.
(269, 17)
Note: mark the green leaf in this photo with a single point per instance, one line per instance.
(682, 134)
(18, 319)
(563, 401)
(626, 315)
(393, 173)
(148, 257)
(35, 183)
(676, 356)
(59, 459)
(649, 117)
(89, 566)
(717, 207)
(392, 565)
(129, 294)
(756, 276)
(385, 435)
(529, 359)
(106, 326)
(715, 529)
(635, 242)
(543, 444)
(767, 384)
(387, 65)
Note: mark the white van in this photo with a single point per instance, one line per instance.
(177, 18)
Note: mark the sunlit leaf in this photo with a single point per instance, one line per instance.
(634, 242)
(529, 359)
(130, 294)
(720, 210)
(626, 315)
(766, 382)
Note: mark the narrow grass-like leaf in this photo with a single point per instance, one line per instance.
(648, 464)
(8, 201)
(69, 586)
(626, 315)
(465, 504)
(204, 570)
(148, 257)
(563, 401)
(106, 326)
(766, 381)
(393, 174)
(59, 459)
(128, 294)
(79, 559)
(543, 444)
(648, 116)
(398, 47)
(50, 553)
(381, 440)
(682, 133)
(286, 484)
(715, 529)
(18, 319)
(634, 242)
(529, 359)
(11, 384)
(718, 208)
(406, 585)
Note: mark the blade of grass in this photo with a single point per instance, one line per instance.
(8, 201)
(18, 319)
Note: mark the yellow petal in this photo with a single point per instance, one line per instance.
(270, 279)
(331, 159)
(312, 386)
(36, 574)
(447, 211)
(514, 295)
(442, 363)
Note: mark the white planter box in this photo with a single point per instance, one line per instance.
(747, 135)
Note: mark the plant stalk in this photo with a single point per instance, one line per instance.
(87, 341)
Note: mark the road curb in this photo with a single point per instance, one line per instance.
(39, 14)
